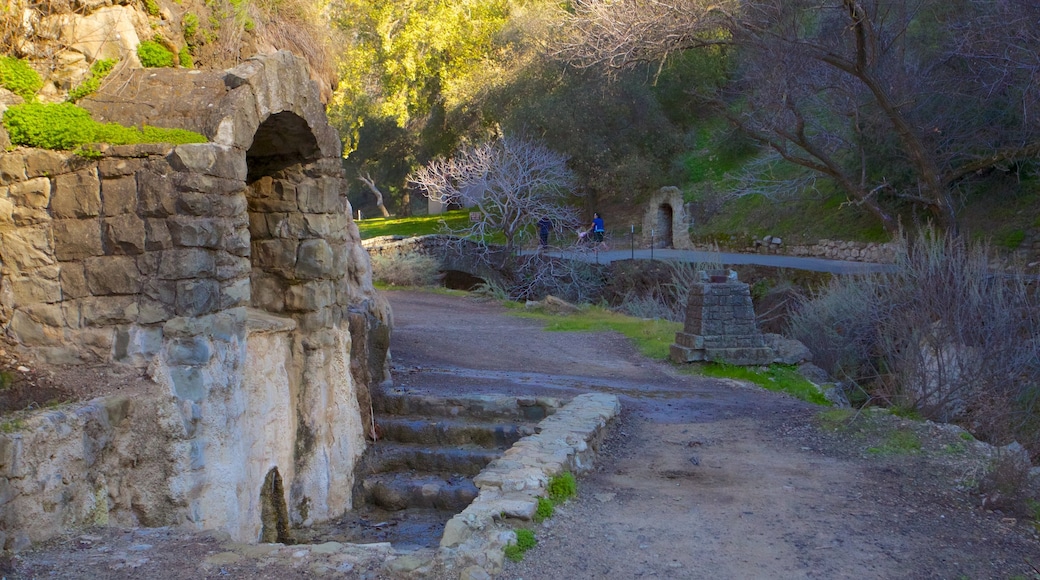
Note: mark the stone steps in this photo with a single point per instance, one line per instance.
(388, 456)
(401, 401)
(430, 447)
(408, 489)
(451, 431)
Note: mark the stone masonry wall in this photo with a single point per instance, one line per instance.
(160, 256)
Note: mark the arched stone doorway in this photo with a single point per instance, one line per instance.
(666, 218)
(664, 225)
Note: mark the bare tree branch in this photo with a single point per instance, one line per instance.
(513, 182)
(367, 180)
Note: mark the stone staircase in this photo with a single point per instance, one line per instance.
(431, 447)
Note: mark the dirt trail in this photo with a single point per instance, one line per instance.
(701, 478)
(712, 479)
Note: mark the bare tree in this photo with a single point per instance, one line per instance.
(367, 180)
(511, 181)
(898, 102)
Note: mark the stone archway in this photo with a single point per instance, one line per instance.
(262, 317)
(665, 216)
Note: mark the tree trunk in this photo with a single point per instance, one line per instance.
(367, 180)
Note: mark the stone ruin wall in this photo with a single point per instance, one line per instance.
(231, 271)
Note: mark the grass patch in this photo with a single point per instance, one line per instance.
(805, 219)
(651, 337)
(897, 442)
(152, 54)
(836, 419)
(12, 426)
(19, 78)
(545, 509)
(98, 71)
(781, 378)
(525, 540)
(65, 126)
(412, 225)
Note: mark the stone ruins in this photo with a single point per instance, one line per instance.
(231, 272)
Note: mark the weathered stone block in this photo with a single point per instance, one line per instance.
(106, 310)
(124, 234)
(73, 281)
(270, 195)
(196, 297)
(211, 205)
(41, 285)
(77, 239)
(258, 225)
(208, 184)
(119, 195)
(209, 159)
(320, 226)
(157, 235)
(188, 383)
(155, 193)
(76, 195)
(320, 196)
(230, 267)
(27, 249)
(12, 168)
(178, 264)
(237, 241)
(32, 193)
(33, 332)
(310, 296)
(235, 294)
(268, 292)
(315, 260)
(6, 208)
(189, 231)
(108, 275)
(277, 256)
(118, 166)
(189, 351)
(45, 163)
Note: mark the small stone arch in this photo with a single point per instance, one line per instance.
(666, 218)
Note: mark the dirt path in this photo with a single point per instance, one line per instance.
(711, 479)
(701, 478)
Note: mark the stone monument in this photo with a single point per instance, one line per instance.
(720, 324)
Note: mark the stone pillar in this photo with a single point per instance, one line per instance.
(720, 324)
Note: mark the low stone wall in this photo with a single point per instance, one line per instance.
(510, 486)
(829, 249)
(108, 461)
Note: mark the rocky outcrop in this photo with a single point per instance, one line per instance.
(230, 270)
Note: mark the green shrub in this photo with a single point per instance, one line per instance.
(545, 509)
(525, 540)
(152, 8)
(190, 26)
(185, 58)
(19, 78)
(98, 71)
(562, 487)
(49, 126)
(154, 55)
(64, 126)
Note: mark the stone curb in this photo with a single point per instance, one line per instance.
(568, 440)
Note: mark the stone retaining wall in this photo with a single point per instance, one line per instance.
(163, 257)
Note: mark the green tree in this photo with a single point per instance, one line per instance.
(903, 105)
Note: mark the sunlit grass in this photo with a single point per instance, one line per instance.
(781, 378)
(412, 225)
(651, 337)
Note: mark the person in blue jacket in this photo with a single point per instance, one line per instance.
(597, 228)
